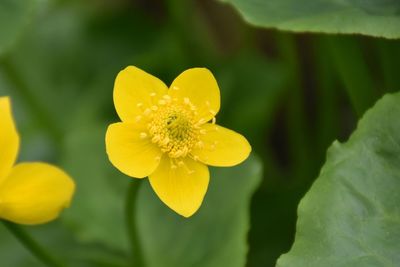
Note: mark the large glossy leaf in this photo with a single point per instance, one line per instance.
(215, 236)
(96, 214)
(14, 16)
(372, 17)
(351, 215)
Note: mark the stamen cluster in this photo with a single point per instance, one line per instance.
(172, 126)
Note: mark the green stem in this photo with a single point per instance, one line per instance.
(299, 137)
(327, 96)
(130, 205)
(353, 70)
(29, 243)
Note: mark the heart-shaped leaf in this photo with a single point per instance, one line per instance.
(215, 236)
(380, 18)
(351, 215)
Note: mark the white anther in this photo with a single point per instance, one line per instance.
(201, 121)
(155, 139)
(147, 111)
(143, 135)
(167, 97)
(200, 144)
(186, 101)
(175, 88)
(213, 112)
(165, 141)
(178, 153)
(214, 120)
(153, 94)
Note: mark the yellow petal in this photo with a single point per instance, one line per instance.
(201, 88)
(134, 90)
(181, 186)
(9, 139)
(221, 147)
(130, 151)
(35, 193)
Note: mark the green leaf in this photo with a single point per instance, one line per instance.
(351, 215)
(380, 18)
(215, 236)
(96, 213)
(14, 16)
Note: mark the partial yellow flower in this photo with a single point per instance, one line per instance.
(30, 193)
(170, 135)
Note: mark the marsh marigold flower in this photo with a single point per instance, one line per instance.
(30, 193)
(170, 135)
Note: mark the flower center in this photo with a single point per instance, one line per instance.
(172, 126)
(173, 129)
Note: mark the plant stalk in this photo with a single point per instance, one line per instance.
(132, 229)
(29, 243)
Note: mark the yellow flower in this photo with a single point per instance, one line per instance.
(170, 134)
(30, 193)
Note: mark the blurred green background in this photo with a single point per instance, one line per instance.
(290, 94)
